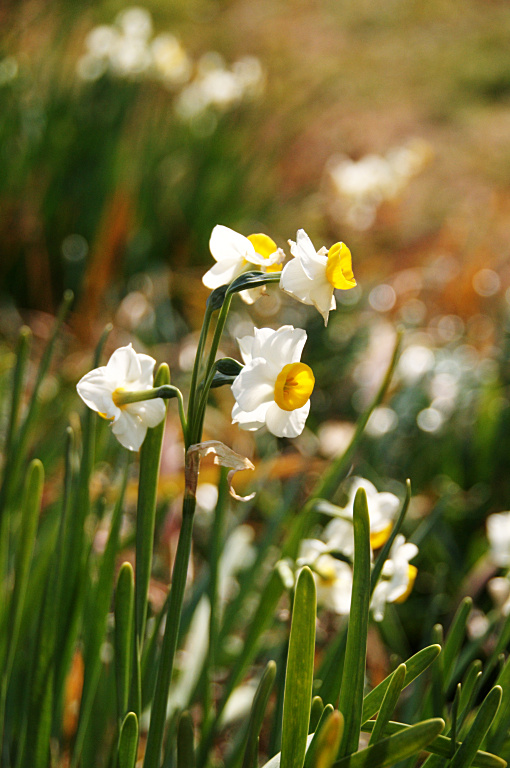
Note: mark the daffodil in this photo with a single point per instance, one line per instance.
(312, 276)
(106, 389)
(382, 509)
(333, 577)
(397, 577)
(274, 387)
(498, 533)
(234, 254)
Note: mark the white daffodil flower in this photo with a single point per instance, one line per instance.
(382, 510)
(498, 533)
(234, 253)
(397, 577)
(102, 389)
(333, 577)
(274, 387)
(312, 276)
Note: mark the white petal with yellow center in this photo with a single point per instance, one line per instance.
(126, 371)
(274, 387)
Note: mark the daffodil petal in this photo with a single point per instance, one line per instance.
(286, 423)
(311, 261)
(124, 365)
(226, 244)
(95, 389)
(223, 273)
(151, 412)
(250, 421)
(253, 386)
(130, 431)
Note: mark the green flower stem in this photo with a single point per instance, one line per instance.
(195, 419)
(196, 367)
(215, 548)
(158, 717)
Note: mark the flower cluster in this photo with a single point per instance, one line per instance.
(273, 387)
(360, 186)
(128, 49)
(330, 558)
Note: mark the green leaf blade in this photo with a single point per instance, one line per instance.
(299, 676)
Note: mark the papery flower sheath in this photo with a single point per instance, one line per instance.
(274, 387)
(234, 253)
(126, 371)
(312, 276)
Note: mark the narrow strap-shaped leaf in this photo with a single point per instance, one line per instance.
(96, 626)
(437, 678)
(455, 638)
(470, 687)
(124, 634)
(299, 529)
(443, 746)
(314, 743)
(501, 723)
(185, 742)
(455, 714)
(299, 675)
(257, 714)
(415, 665)
(150, 457)
(328, 741)
(128, 742)
(316, 711)
(394, 748)
(466, 752)
(350, 702)
(388, 703)
(385, 551)
(22, 354)
(501, 646)
(27, 532)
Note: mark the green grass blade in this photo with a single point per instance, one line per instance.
(150, 457)
(128, 742)
(437, 689)
(350, 702)
(124, 633)
(394, 748)
(299, 675)
(443, 746)
(415, 666)
(388, 703)
(257, 714)
(465, 754)
(455, 638)
(185, 742)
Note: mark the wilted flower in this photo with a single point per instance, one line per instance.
(234, 253)
(333, 577)
(382, 509)
(397, 577)
(498, 533)
(312, 276)
(102, 390)
(274, 387)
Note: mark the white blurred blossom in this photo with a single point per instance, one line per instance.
(498, 533)
(360, 186)
(397, 577)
